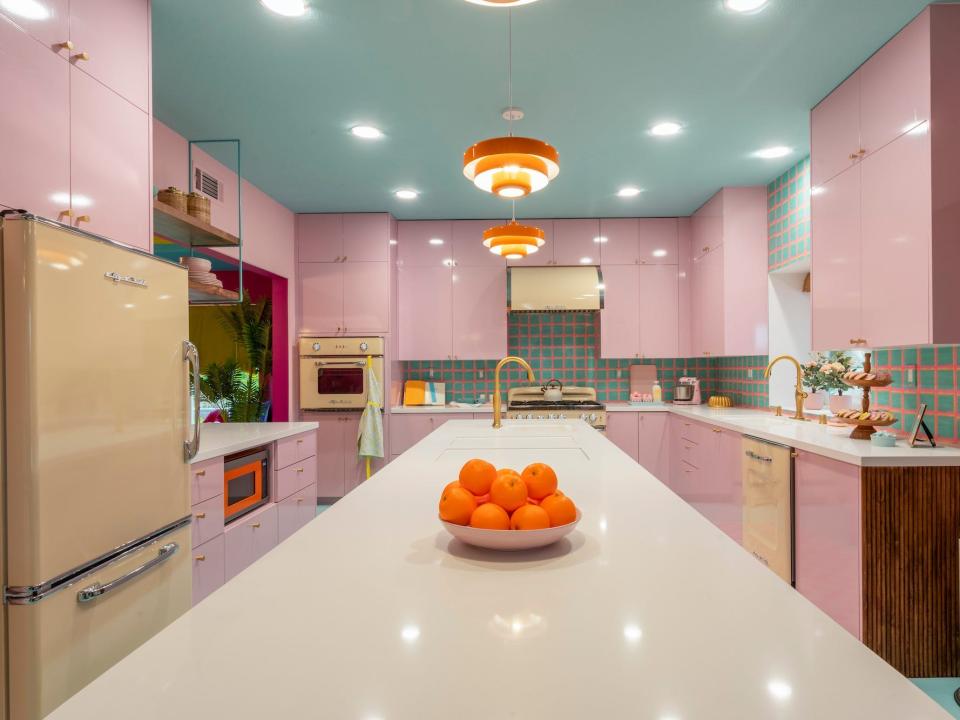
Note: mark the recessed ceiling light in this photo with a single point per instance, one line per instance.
(779, 689)
(436, 241)
(632, 633)
(367, 132)
(586, 260)
(772, 153)
(745, 6)
(407, 194)
(501, 3)
(27, 9)
(659, 252)
(628, 192)
(600, 239)
(666, 129)
(287, 8)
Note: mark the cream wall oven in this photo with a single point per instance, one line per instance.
(334, 371)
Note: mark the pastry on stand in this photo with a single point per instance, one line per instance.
(865, 420)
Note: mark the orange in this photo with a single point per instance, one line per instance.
(529, 517)
(457, 505)
(455, 483)
(477, 476)
(540, 480)
(560, 508)
(490, 517)
(508, 490)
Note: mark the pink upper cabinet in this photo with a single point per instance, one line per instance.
(658, 305)
(366, 237)
(544, 256)
(619, 241)
(658, 241)
(425, 317)
(709, 307)
(684, 277)
(319, 237)
(835, 262)
(110, 163)
(321, 297)
(576, 242)
(50, 27)
(366, 301)
(895, 243)
(35, 141)
(619, 319)
(745, 288)
(468, 247)
(895, 86)
(835, 132)
(116, 39)
(425, 243)
(479, 313)
(708, 226)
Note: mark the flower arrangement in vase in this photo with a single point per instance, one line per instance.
(823, 372)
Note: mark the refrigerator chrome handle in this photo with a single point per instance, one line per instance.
(92, 592)
(192, 355)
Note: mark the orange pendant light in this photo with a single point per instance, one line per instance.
(511, 167)
(513, 240)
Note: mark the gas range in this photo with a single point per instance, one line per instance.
(578, 403)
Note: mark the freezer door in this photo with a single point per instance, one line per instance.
(96, 410)
(768, 505)
(60, 643)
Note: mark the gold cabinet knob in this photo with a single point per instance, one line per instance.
(854, 156)
(83, 218)
(200, 473)
(299, 440)
(717, 430)
(200, 515)
(778, 410)
(299, 500)
(80, 56)
(299, 470)
(200, 558)
(861, 152)
(65, 45)
(255, 525)
(64, 213)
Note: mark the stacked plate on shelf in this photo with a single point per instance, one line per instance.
(199, 271)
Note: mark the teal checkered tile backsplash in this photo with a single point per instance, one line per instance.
(564, 346)
(788, 216)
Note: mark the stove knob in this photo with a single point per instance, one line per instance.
(592, 417)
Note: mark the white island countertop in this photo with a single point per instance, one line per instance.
(372, 611)
(218, 439)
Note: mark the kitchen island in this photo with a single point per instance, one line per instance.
(372, 611)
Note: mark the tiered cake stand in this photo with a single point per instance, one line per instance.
(863, 429)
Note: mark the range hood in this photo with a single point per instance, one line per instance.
(554, 289)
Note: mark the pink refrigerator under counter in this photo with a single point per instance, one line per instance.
(98, 430)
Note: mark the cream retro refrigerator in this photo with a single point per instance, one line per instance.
(98, 430)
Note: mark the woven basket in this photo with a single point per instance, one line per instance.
(174, 197)
(199, 206)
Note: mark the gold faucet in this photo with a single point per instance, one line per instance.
(800, 395)
(496, 383)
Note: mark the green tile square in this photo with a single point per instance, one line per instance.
(883, 398)
(927, 356)
(896, 357)
(928, 399)
(945, 426)
(945, 403)
(945, 355)
(910, 356)
(945, 379)
(927, 379)
(910, 402)
(881, 357)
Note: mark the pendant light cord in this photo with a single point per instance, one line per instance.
(510, 70)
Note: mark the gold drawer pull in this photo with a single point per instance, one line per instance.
(299, 470)
(201, 473)
(201, 515)
(299, 440)
(81, 56)
(255, 525)
(65, 45)
(83, 218)
(299, 500)
(717, 430)
(200, 558)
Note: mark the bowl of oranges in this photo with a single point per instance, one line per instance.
(502, 509)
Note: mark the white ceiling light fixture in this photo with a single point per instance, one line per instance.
(774, 152)
(628, 192)
(287, 8)
(407, 194)
(745, 6)
(666, 129)
(367, 132)
(27, 9)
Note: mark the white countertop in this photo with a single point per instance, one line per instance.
(224, 438)
(372, 611)
(441, 409)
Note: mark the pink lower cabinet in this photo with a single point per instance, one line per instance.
(406, 430)
(296, 511)
(623, 430)
(208, 567)
(827, 531)
(207, 520)
(295, 477)
(206, 480)
(652, 446)
(249, 539)
(329, 456)
(293, 449)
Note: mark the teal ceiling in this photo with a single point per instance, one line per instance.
(591, 75)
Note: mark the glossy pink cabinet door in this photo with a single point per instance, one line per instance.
(685, 280)
(543, 256)
(620, 241)
(727, 511)
(406, 430)
(835, 132)
(828, 544)
(424, 243)
(35, 122)
(46, 20)
(330, 460)
(836, 262)
(623, 430)
(658, 307)
(296, 511)
(208, 567)
(653, 450)
(896, 243)
(366, 237)
(425, 317)
(110, 163)
(116, 37)
(366, 297)
(895, 86)
(709, 303)
(619, 319)
(479, 313)
(321, 297)
(707, 226)
(250, 538)
(574, 242)
(468, 247)
(658, 241)
(319, 237)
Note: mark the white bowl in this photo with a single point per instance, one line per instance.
(509, 539)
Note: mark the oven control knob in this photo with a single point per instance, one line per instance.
(593, 417)
(363, 347)
(316, 346)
